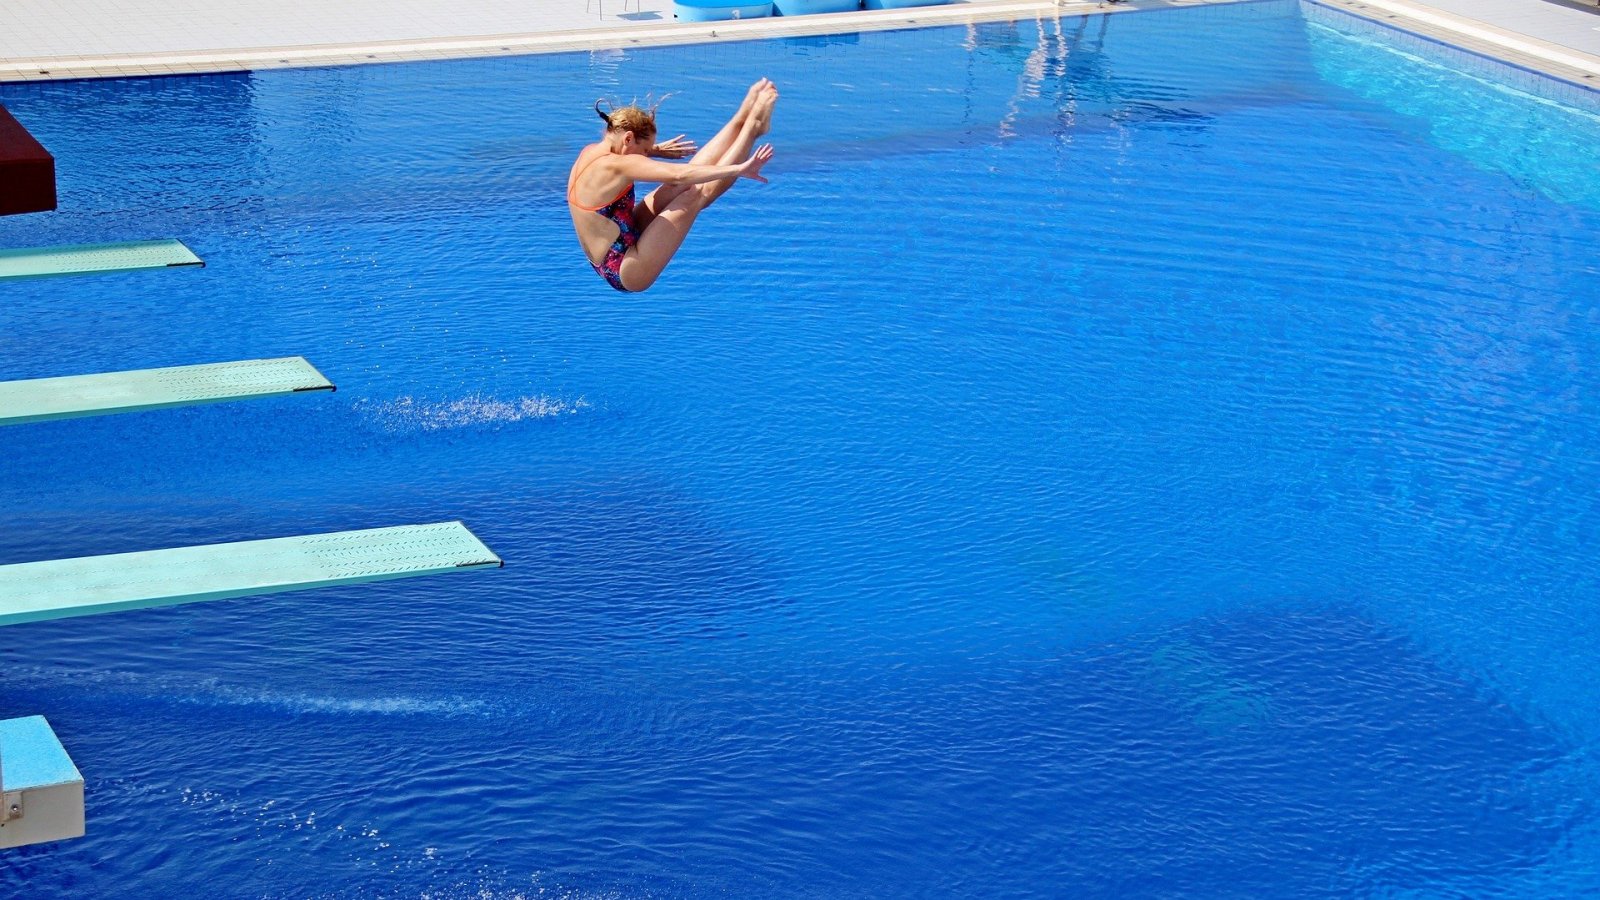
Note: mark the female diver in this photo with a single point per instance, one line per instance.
(630, 243)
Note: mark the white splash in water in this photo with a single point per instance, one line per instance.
(411, 414)
(212, 692)
(307, 703)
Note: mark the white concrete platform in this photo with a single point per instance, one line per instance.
(1548, 36)
(98, 38)
(57, 39)
(1566, 23)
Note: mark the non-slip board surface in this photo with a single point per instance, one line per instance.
(80, 259)
(59, 588)
(68, 396)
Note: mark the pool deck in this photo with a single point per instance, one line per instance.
(63, 39)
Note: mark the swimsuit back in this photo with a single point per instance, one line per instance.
(619, 210)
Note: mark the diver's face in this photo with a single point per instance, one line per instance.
(628, 142)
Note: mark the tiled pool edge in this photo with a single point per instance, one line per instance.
(1573, 66)
(1569, 65)
(261, 58)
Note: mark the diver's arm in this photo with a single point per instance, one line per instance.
(642, 168)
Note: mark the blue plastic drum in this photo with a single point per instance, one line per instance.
(718, 10)
(810, 7)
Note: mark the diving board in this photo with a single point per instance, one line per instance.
(88, 585)
(79, 259)
(68, 396)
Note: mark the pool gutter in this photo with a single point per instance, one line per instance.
(619, 37)
(1477, 37)
(1541, 56)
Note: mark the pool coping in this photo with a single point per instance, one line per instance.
(62, 68)
(1561, 62)
(1565, 63)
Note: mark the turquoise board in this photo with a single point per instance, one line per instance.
(42, 399)
(81, 259)
(31, 757)
(88, 585)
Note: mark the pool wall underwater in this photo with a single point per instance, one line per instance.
(1132, 455)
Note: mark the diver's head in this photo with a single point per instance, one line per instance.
(629, 128)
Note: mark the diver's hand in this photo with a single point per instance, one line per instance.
(751, 168)
(674, 148)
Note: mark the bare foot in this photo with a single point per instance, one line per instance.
(750, 96)
(761, 113)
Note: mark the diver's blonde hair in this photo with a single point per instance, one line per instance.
(641, 122)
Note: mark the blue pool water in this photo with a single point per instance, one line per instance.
(1143, 455)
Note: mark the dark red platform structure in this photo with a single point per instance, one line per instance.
(27, 170)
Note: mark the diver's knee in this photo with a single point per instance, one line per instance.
(705, 194)
(638, 278)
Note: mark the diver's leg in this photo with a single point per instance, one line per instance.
(709, 155)
(756, 125)
(716, 148)
(660, 242)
